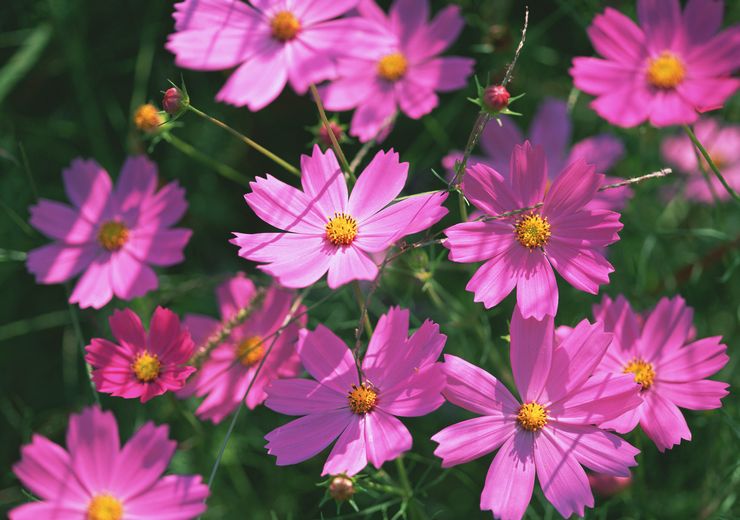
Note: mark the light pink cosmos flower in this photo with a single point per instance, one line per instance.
(665, 359)
(551, 431)
(328, 231)
(406, 73)
(270, 42)
(141, 365)
(97, 479)
(400, 377)
(551, 128)
(522, 250)
(232, 365)
(666, 70)
(111, 235)
(723, 144)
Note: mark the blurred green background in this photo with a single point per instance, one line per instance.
(71, 74)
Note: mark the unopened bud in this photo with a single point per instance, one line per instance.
(496, 97)
(336, 129)
(172, 101)
(341, 488)
(608, 485)
(147, 118)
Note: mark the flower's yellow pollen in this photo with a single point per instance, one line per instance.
(147, 118)
(393, 66)
(532, 417)
(341, 229)
(105, 507)
(112, 235)
(362, 399)
(285, 26)
(644, 372)
(665, 71)
(146, 366)
(532, 231)
(250, 351)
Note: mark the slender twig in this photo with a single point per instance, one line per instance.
(710, 162)
(510, 68)
(333, 138)
(191, 151)
(249, 142)
(634, 180)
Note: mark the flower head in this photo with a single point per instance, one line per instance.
(551, 430)
(174, 101)
(141, 365)
(232, 365)
(97, 479)
(667, 69)
(671, 367)
(521, 250)
(496, 97)
(406, 73)
(399, 377)
(327, 230)
(110, 234)
(269, 43)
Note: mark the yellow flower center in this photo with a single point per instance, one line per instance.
(393, 66)
(146, 366)
(285, 26)
(105, 507)
(532, 231)
(147, 118)
(532, 417)
(362, 399)
(112, 235)
(250, 351)
(644, 372)
(665, 71)
(341, 229)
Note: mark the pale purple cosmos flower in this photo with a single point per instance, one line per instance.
(400, 377)
(666, 70)
(551, 431)
(406, 73)
(551, 128)
(96, 478)
(521, 251)
(327, 230)
(232, 366)
(110, 234)
(270, 42)
(722, 142)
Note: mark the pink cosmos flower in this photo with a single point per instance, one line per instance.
(328, 231)
(551, 128)
(406, 73)
(97, 479)
(522, 250)
(666, 361)
(400, 377)
(551, 430)
(141, 365)
(110, 234)
(270, 42)
(723, 145)
(665, 70)
(232, 365)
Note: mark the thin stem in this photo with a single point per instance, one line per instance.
(249, 142)
(510, 68)
(334, 143)
(710, 162)
(407, 489)
(192, 152)
(705, 174)
(363, 308)
(81, 344)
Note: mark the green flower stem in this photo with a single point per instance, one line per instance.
(710, 162)
(192, 152)
(334, 143)
(261, 149)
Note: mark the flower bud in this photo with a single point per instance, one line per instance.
(172, 101)
(496, 97)
(148, 119)
(324, 137)
(341, 488)
(608, 485)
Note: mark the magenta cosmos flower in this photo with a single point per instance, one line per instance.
(406, 73)
(661, 354)
(328, 231)
(551, 431)
(111, 235)
(665, 70)
(232, 365)
(270, 42)
(522, 250)
(400, 377)
(97, 479)
(723, 145)
(141, 365)
(551, 128)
